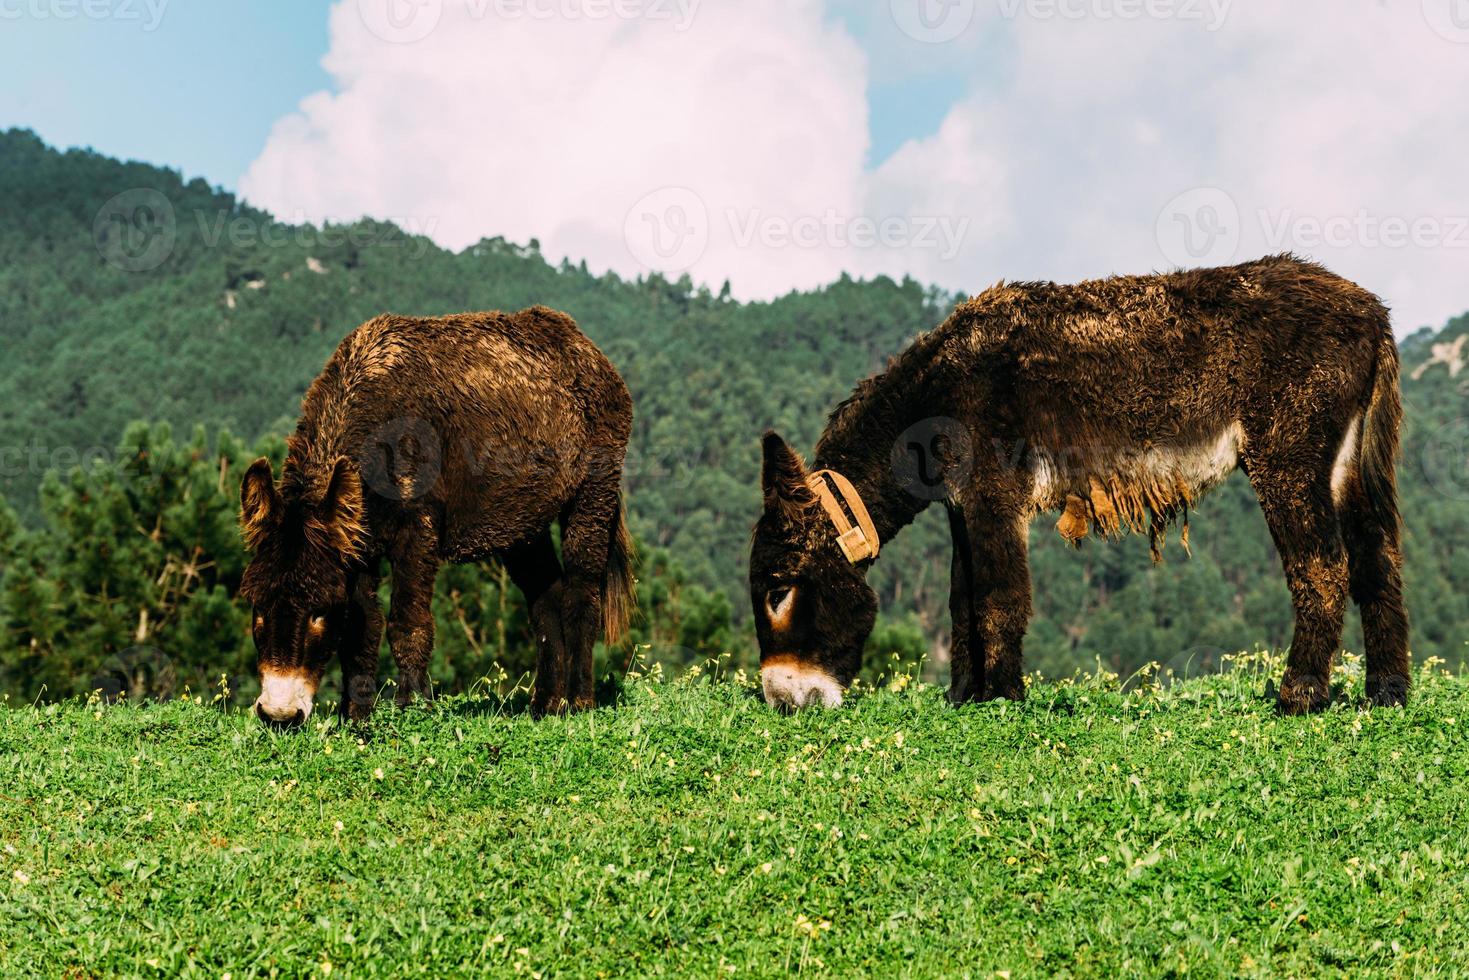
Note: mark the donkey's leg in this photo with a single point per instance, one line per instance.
(1000, 585)
(360, 643)
(1376, 584)
(1304, 524)
(964, 683)
(586, 536)
(415, 563)
(537, 573)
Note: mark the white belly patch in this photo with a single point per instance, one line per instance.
(1117, 489)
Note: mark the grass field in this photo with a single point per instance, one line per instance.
(690, 830)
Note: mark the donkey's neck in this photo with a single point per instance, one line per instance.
(324, 431)
(860, 438)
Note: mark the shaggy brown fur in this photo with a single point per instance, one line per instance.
(459, 438)
(1116, 403)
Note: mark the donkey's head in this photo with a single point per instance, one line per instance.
(306, 536)
(813, 607)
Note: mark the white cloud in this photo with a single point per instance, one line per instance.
(1330, 131)
(555, 128)
(1337, 133)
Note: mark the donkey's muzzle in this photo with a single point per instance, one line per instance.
(286, 719)
(285, 699)
(790, 684)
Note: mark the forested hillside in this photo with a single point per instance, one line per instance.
(210, 313)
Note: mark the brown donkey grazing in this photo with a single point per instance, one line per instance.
(459, 438)
(1116, 403)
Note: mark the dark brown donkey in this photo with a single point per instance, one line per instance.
(1116, 403)
(459, 438)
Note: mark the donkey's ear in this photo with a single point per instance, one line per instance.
(783, 474)
(260, 503)
(337, 521)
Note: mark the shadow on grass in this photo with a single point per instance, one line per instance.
(609, 693)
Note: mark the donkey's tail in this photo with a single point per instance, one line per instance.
(1380, 437)
(619, 585)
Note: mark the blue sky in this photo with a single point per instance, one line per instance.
(198, 93)
(781, 143)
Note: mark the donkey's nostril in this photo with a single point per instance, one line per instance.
(293, 719)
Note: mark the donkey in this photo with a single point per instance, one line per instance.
(1117, 403)
(458, 438)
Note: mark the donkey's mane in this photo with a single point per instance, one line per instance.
(325, 433)
(881, 393)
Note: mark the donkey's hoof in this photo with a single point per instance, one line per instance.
(547, 707)
(358, 710)
(1303, 696)
(1388, 692)
(965, 694)
(414, 686)
(361, 697)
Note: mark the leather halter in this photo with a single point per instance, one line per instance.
(859, 542)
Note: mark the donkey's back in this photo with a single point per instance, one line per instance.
(494, 420)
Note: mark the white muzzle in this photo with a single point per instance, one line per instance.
(285, 699)
(791, 685)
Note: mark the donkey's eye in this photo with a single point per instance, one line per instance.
(778, 602)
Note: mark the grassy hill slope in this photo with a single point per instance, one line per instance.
(691, 831)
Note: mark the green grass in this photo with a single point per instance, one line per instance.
(692, 831)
